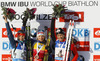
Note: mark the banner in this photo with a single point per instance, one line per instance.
(85, 13)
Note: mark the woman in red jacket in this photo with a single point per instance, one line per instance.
(39, 47)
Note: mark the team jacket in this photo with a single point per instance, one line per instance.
(60, 51)
(18, 49)
(41, 46)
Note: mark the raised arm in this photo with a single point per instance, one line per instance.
(9, 33)
(53, 32)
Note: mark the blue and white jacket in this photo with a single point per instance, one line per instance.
(19, 51)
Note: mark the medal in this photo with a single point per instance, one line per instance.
(36, 56)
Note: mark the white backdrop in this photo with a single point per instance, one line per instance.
(90, 8)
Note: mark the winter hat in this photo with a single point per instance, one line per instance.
(21, 32)
(60, 31)
(40, 32)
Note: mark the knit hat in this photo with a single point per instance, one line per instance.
(21, 32)
(60, 31)
(40, 32)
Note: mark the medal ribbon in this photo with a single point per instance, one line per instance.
(39, 49)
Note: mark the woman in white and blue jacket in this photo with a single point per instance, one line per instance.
(18, 47)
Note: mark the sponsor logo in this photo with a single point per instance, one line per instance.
(96, 58)
(76, 16)
(80, 32)
(82, 46)
(96, 32)
(6, 57)
(4, 32)
(97, 46)
(6, 46)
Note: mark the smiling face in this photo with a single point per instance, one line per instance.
(60, 37)
(41, 38)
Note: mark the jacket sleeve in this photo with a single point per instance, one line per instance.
(74, 50)
(10, 35)
(23, 28)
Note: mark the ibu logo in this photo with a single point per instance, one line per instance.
(6, 46)
(97, 46)
(80, 32)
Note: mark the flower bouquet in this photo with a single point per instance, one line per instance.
(59, 10)
(9, 13)
(29, 13)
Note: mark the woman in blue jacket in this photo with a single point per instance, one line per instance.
(18, 47)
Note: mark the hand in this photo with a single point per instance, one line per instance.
(36, 57)
(5, 18)
(31, 58)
